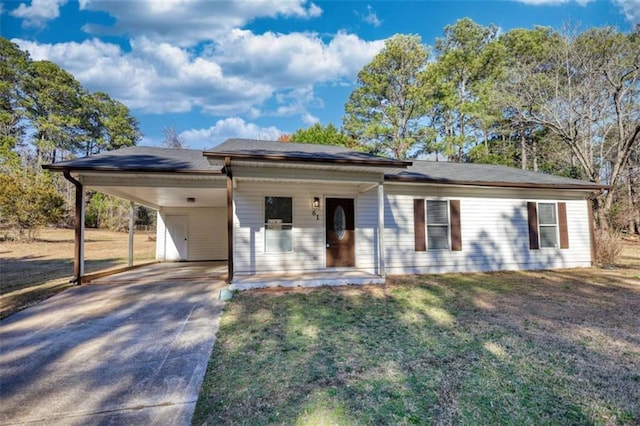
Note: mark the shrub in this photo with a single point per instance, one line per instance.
(608, 247)
(28, 202)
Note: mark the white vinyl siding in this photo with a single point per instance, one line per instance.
(207, 232)
(494, 227)
(309, 247)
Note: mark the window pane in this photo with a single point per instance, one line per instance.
(547, 213)
(278, 208)
(548, 236)
(278, 240)
(437, 213)
(438, 237)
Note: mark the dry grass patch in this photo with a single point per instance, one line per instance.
(32, 271)
(553, 347)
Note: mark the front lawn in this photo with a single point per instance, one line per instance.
(34, 270)
(557, 347)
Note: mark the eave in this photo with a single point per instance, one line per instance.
(521, 185)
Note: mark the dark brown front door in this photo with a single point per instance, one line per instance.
(341, 234)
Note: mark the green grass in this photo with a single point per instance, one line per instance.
(504, 348)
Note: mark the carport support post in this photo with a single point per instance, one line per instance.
(78, 258)
(132, 212)
(381, 249)
(227, 168)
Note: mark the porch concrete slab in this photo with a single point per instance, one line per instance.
(128, 351)
(305, 279)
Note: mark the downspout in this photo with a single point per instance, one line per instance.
(78, 259)
(227, 169)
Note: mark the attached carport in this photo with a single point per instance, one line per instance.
(188, 191)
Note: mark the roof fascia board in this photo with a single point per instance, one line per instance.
(283, 158)
(55, 168)
(398, 180)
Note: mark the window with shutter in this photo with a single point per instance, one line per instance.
(437, 224)
(441, 229)
(547, 225)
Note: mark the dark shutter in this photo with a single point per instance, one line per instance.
(454, 214)
(419, 225)
(532, 213)
(562, 225)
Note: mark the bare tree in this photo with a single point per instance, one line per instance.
(172, 138)
(585, 92)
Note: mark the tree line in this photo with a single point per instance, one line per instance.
(560, 102)
(563, 102)
(46, 116)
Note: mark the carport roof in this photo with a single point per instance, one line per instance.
(142, 159)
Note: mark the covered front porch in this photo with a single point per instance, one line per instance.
(287, 215)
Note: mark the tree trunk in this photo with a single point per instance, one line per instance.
(523, 150)
(634, 201)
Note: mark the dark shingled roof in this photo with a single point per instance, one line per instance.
(485, 175)
(153, 159)
(249, 149)
(141, 159)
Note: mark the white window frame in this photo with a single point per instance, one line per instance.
(427, 225)
(265, 224)
(548, 225)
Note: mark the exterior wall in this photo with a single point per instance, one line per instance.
(207, 232)
(308, 231)
(494, 230)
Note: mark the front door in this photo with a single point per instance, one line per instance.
(176, 237)
(341, 236)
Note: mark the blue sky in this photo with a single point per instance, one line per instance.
(249, 68)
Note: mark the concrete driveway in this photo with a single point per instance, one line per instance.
(128, 349)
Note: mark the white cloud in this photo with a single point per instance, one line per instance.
(371, 17)
(39, 12)
(187, 22)
(630, 9)
(153, 78)
(294, 59)
(236, 75)
(233, 127)
(310, 119)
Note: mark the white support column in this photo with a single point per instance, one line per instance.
(132, 223)
(381, 248)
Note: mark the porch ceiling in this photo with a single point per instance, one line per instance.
(168, 197)
(158, 191)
